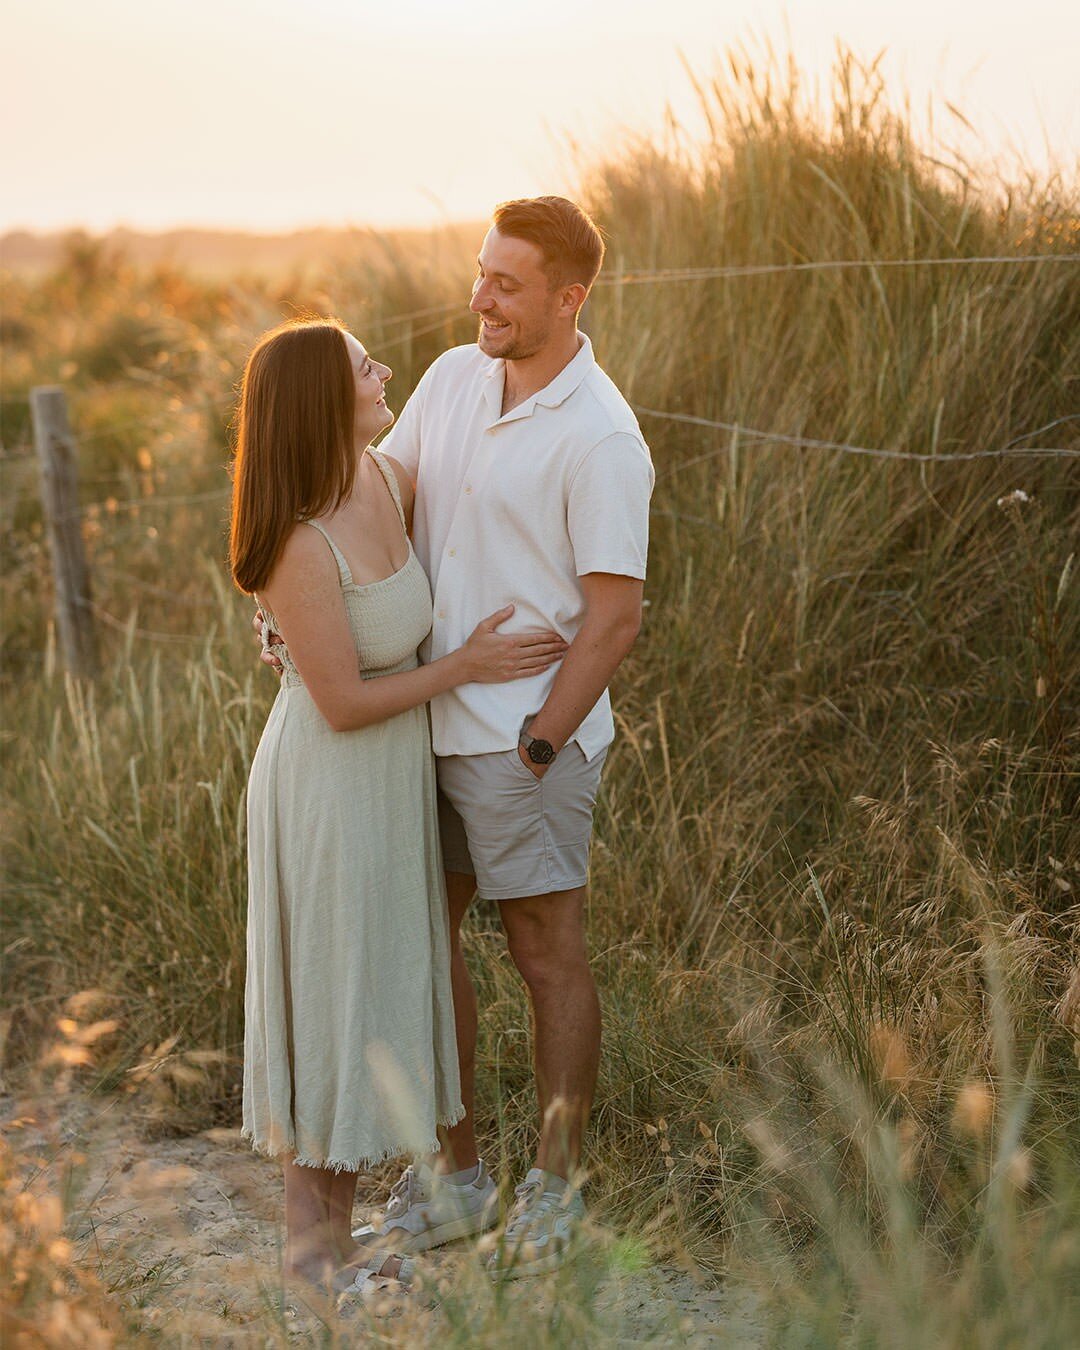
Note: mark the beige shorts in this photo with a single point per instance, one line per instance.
(518, 834)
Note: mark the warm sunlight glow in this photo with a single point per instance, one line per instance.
(267, 115)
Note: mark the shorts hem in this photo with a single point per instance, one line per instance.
(515, 893)
(455, 866)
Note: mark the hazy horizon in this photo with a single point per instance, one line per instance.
(254, 118)
(228, 231)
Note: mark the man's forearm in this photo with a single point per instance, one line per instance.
(586, 670)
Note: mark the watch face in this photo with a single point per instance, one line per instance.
(540, 752)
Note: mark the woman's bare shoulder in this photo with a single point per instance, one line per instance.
(305, 561)
(306, 543)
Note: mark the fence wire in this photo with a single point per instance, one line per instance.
(1012, 450)
(663, 274)
(130, 628)
(440, 315)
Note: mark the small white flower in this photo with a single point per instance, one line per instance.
(1018, 497)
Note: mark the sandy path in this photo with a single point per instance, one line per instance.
(187, 1234)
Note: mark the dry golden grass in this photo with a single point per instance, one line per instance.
(834, 890)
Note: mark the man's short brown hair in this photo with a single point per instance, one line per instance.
(570, 242)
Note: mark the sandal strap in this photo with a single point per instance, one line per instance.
(374, 1267)
(363, 1279)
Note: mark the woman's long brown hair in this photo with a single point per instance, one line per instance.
(295, 454)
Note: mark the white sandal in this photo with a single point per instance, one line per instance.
(372, 1278)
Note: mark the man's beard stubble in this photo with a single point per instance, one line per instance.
(517, 351)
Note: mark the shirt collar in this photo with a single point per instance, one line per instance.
(558, 391)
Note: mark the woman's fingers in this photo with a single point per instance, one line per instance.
(535, 664)
(514, 656)
(543, 649)
(492, 621)
(539, 639)
(548, 651)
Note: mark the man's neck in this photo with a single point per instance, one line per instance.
(532, 373)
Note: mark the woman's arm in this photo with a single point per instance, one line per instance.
(305, 596)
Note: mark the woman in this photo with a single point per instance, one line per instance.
(350, 1054)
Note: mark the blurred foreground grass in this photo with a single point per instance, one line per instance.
(834, 903)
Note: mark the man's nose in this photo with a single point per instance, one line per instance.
(481, 298)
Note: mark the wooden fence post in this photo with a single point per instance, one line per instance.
(56, 453)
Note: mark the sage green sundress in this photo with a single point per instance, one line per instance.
(349, 1049)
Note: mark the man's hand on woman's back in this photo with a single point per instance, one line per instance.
(267, 641)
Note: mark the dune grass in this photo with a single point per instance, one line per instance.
(834, 900)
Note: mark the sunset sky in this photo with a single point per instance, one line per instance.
(273, 114)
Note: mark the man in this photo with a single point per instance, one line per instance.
(532, 487)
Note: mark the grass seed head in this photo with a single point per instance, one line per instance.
(890, 1054)
(973, 1113)
(1019, 1169)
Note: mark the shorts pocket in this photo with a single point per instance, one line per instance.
(522, 770)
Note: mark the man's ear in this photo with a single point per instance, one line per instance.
(571, 299)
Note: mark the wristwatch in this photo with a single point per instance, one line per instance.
(540, 752)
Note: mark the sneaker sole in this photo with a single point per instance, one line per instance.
(470, 1226)
(521, 1270)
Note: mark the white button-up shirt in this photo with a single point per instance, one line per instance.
(513, 510)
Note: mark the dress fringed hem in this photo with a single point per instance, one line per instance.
(361, 1164)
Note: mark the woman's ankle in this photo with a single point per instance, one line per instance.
(306, 1261)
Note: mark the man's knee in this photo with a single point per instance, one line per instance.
(548, 960)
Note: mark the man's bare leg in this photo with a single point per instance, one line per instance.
(459, 1142)
(546, 935)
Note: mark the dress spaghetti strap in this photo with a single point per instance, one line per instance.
(391, 482)
(339, 557)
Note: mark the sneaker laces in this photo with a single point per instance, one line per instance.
(532, 1205)
(401, 1193)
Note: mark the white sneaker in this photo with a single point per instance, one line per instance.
(543, 1224)
(425, 1211)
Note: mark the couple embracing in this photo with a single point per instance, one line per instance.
(487, 563)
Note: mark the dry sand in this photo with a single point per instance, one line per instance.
(187, 1234)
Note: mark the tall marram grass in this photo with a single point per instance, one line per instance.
(833, 911)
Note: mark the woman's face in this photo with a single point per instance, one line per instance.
(372, 414)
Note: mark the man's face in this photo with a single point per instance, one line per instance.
(513, 297)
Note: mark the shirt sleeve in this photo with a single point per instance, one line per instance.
(608, 507)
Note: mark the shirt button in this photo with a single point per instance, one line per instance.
(468, 489)
(442, 613)
(453, 553)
